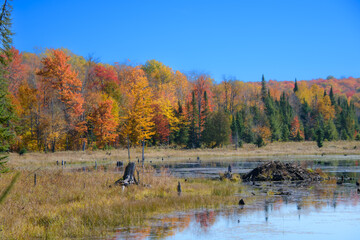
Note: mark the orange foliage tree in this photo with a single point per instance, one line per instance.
(104, 122)
(15, 71)
(60, 86)
(295, 129)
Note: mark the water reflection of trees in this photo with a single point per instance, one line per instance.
(206, 219)
(304, 199)
(157, 228)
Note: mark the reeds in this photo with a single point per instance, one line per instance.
(81, 204)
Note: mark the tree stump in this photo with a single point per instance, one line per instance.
(129, 177)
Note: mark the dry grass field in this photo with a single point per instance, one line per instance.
(79, 158)
(66, 205)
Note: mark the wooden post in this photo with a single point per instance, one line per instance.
(128, 146)
(179, 188)
(143, 156)
(35, 179)
(138, 176)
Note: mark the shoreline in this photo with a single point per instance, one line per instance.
(282, 150)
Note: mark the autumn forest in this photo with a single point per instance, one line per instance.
(56, 100)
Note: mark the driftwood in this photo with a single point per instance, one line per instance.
(129, 177)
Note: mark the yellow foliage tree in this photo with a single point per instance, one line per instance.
(137, 122)
(325, 108)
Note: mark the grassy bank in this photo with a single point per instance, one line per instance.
(81, 204)
(36, 160)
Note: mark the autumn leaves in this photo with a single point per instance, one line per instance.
(101, 110)
(66, 102)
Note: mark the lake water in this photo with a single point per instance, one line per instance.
(319, 211)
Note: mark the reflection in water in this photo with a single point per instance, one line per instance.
(321, 211)
(335, 165)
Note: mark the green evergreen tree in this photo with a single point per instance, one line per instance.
(305, 117)
(217, 129)
(346, 119)
(330, 132)
(181, 135)
(320, 137)
(298, 137)
(6, 111)
(239, 121)
(320, 131)
(272, 113)
(259, 141)
(285, 133)
(295, 86)
(204, 117)
(246, 123)
(286, 116)
(264, 92)
(332, 97)
(357, 138)
(193, 140)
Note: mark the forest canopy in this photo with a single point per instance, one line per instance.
(62, 101)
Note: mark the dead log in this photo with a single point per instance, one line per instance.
(129, 177)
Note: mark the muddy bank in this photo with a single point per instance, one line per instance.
(279, 171)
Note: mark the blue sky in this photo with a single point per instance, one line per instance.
(282, 39)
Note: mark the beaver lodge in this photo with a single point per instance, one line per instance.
(278, 171)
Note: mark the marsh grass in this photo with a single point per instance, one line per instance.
(74, 204)
(167, 155)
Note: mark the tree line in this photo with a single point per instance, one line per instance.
(57, 100)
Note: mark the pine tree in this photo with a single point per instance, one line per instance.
(330, 132)
(319, 137)
(203, 118)
(296, 86)
(264, 92)
(240, 126)
(305, 117)
(217, 129)
(298, 137)
(273, 117)
(259, 141)
(332, 98)
(193, 141)
(6, 110)
(181, 134)
(320, 132)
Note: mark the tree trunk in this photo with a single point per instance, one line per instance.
(129, 177)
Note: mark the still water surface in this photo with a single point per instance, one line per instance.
(319, 211)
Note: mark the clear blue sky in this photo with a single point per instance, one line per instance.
(284, 40)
